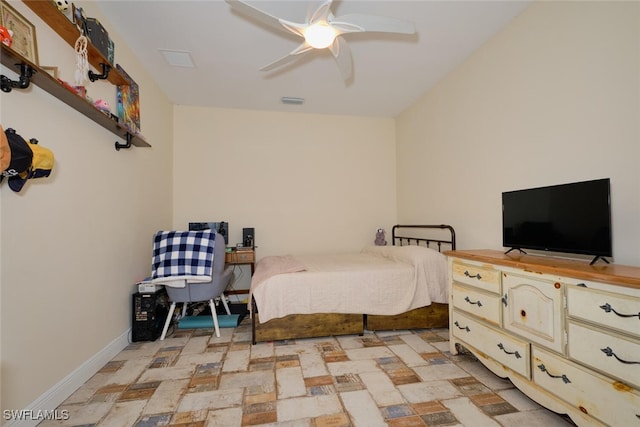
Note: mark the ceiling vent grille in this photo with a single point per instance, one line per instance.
(292, 101)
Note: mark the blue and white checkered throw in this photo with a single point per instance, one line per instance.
(186, 255)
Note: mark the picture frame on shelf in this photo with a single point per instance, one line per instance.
(24, 32)
(52, 71)
(128, 102)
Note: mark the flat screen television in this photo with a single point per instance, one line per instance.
(567, 218)
(220, 227)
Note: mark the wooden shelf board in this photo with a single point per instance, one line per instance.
(70, 33)
(48, 83)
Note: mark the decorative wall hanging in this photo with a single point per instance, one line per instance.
(128, 98)
(24, 32)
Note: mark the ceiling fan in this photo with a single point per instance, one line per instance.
(323, 30)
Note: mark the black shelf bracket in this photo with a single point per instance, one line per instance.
(26, 72)
(128, 137)
(105, 73)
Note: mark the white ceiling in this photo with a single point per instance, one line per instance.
(390, 71)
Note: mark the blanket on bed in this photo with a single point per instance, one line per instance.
(270, 266)
(182, 256)
(384, 280)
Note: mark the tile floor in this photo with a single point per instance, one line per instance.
(399, 378)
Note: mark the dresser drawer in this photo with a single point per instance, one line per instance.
(240, 257)
(607, 400)
(483, 277)
(605, 308)
(533, 309)
(605, 352)
(482, 304)
(505, 349)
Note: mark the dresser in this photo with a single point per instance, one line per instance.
(566, 333)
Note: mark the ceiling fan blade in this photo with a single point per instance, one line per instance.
(370, 23)
(255, 13)
(342, 54)
(321, 13)
(292, 56)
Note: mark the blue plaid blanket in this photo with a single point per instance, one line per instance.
(183, 255)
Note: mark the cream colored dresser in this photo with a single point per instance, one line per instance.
(567, 334)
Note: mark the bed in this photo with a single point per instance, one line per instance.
(400, 286)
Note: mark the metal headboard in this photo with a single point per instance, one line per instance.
(402, 240)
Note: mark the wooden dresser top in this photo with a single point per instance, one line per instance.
(622, 275)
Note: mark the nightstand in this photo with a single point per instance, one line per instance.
(242, 256)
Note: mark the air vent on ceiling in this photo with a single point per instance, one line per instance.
(292, 100)
(177, 58)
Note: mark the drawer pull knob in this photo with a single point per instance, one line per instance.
(478, 303)
(563, 376)
(608, 309)
(475, 276)
(515, 353)
(466, 328)
(610, 353)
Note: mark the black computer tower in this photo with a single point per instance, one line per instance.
(150, 310)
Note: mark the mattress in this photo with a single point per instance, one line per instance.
(382, 280)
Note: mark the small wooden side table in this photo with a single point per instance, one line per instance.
(242, 256)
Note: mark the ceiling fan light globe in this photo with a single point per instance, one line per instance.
(319, 36)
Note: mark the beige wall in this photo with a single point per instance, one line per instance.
(553, 98)
(74, 243)
(307, 183)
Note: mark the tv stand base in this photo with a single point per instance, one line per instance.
(516, 249)
(597, 258)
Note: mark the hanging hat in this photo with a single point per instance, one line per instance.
(21, 154)
(41, 166)
(5, 151)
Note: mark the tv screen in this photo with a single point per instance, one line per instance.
(569, 218)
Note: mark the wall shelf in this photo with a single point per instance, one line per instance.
(48, 12)
(48, 83)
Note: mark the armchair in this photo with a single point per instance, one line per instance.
(202, 291)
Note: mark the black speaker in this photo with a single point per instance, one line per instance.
(248, 237)
(150, 311)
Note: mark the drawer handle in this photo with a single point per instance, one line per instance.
(563, 376)
(504, 300)
(478, 303)
(610, 353)
(466, 328)
(608, 309)
(515, 353)
(475, 276)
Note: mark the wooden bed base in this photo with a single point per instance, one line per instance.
(297, 326)
(306, 326)
(435, 315)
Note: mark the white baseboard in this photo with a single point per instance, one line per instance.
(57, 394)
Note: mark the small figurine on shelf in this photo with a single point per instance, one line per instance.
(65, 8)
(103, 106)
(62, 5)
